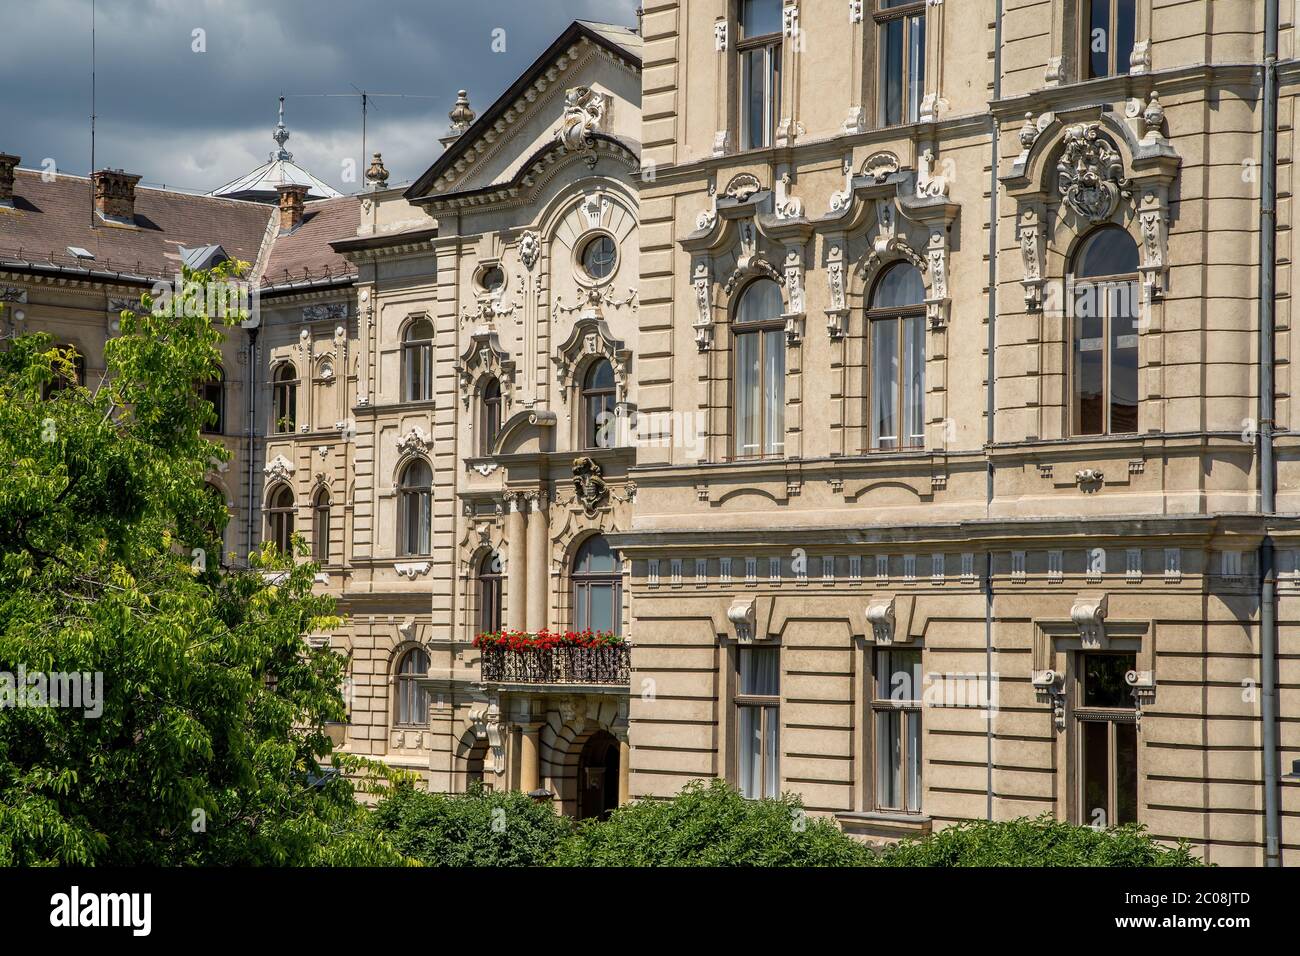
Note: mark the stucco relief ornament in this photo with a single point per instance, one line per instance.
(703, 306)
(584, 108)
(279, 467)
(530, 247)
(742, 186)
(414, 440)
(589, 485)
(1091, 173)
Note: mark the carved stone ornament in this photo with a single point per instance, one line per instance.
(720, 36)
(530, 247)
(589, 485)
(838, 313)
(12, 293)
(1091, 173)
(879, 166)
(584, 110)
(327, 312)
(743, 619)
(279, 467)
(742, 186)
(881, 620)
(412, 570)
(929, 185)
(1089, 615)
(703, 285)
(415, 441)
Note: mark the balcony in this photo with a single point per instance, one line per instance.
(584, 666)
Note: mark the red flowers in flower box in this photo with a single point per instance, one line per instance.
(545, 640)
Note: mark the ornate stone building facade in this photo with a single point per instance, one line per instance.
(962, 299)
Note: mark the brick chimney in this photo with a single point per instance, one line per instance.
(7, 164)
(115, 194)
(292, 196)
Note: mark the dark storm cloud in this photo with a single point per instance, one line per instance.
(199, 119)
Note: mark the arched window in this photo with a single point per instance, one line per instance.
(213, 391)
(491, 417)
(60, 381)
(417, 361)
(415, 493)
(279, 518)
(760, 371)
(896, 317)
(320, 527)
(1105, 307)
(284, 398)
(489, 593)
(598, 396)
(597, 588)
(412, 699)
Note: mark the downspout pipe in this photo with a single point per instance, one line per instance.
(1267, 466)
(991, 399)
(252, 436)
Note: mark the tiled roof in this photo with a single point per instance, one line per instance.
(304, 255)
(48, 217)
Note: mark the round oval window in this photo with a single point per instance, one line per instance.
(598, 257)
(492, 279)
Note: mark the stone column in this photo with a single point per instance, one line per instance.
(516, 564)
(538, 579)
(530, 750)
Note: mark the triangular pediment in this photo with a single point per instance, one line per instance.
(587, 82)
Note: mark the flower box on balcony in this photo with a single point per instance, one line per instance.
(572, 657)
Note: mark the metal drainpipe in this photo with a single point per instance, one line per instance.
(1267, 478)
(252, 434)
(991, 399)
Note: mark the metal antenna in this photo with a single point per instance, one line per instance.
(92, 114)
(366, 96)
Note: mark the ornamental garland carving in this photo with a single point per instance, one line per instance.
(1091, 173)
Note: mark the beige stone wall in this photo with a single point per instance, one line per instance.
(1159, 532)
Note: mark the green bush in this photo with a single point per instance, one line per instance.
(478, 828)
(1040, 842)
(712, 825)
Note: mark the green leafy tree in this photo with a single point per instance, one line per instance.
(713, 825)
(1038, 842)
(210, 747)
(478, 828)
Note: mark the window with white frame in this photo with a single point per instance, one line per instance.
(759, 411)
(759, 48)
(896, 713)
(896, 319)
(758, 721)
(900, 51)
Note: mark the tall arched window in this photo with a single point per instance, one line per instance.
(597, 587)
(412, 699)
(279, 518)
(417, 361)
(489, 593)
(1105, 307)
(598, 397)
(760, 371)
(284, 398)
(415, 494)
(320, 527)
(491, 417)
(896, 317)
(213, 391)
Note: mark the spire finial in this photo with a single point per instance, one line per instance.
(281, 136)
(461, 116)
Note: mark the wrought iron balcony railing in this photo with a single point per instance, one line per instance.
(610, 664)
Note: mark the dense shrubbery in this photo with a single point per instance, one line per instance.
(1040, 842)
(712, 825)
(479, 828)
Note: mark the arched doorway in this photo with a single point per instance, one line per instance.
(598, 776)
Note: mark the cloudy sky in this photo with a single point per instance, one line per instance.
(196, 120)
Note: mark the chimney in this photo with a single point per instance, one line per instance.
(291, 200)
(115, 195)
(7, 164)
